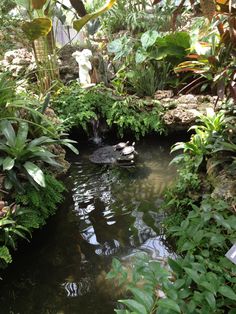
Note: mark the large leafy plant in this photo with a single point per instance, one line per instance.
(202, 280)
(208, 133)
(153, 55)
(22, 157)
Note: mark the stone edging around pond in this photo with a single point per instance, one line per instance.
(180, 115)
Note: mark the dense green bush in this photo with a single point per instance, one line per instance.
(31, 212)
(79, 107)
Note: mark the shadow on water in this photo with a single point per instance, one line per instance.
(108, 211)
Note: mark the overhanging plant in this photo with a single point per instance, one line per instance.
(22, 158)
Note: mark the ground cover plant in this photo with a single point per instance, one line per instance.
(80, 107)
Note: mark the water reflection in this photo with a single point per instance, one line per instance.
(108, 212)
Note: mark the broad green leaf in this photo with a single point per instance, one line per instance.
(37, 28)
(143, 297)
(8, 163)
(8, 132)
(35, 172)
(78, 24)
(181, 39)
(71, 147)
(179, 283)
(38, 4)
(140, 56)
(227, 292)
(22, 134)
(207, 285)
(4, 222)
(134, 306)
(169, 304)
(187, 246)
(210, 299)
(192, 274)
(149, 38)
(115, 46)
(41, 140)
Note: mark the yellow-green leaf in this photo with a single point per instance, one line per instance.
(38, 4)
(78, 24)
(37, 28)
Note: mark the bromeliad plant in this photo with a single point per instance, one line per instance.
(22, 157)
(204, 141)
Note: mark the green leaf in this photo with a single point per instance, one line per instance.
(210, 299)
(140, 56)
(207, 285)
(79, 24)
(192, 274)
(8, 163)
(134, 306)
(227, 292)
(35, 172)
(41, 140)
(169, 304)
(4, 222)
(37, 28)
(22, 134)
(149, 38)
(179, 283)
(71, 147)
(187, 246)
(175, 266)
(8, 132)
(5, 254)
(143, 297)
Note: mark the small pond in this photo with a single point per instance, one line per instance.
(108, 212)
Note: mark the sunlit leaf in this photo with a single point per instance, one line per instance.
(149, 38)
(37, 28)
(8, 163)
(35, 172)
(78, 24)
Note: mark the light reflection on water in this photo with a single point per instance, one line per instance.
(108, 212)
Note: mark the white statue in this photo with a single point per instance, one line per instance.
(83, 60)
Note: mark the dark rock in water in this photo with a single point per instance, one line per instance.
(109, 155)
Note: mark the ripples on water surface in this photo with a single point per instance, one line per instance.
(108, 212)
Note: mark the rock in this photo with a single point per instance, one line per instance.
(224, 187)
(68, 66)
(180, 111)
(18, 61)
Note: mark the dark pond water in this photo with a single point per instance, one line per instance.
(108, 212)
